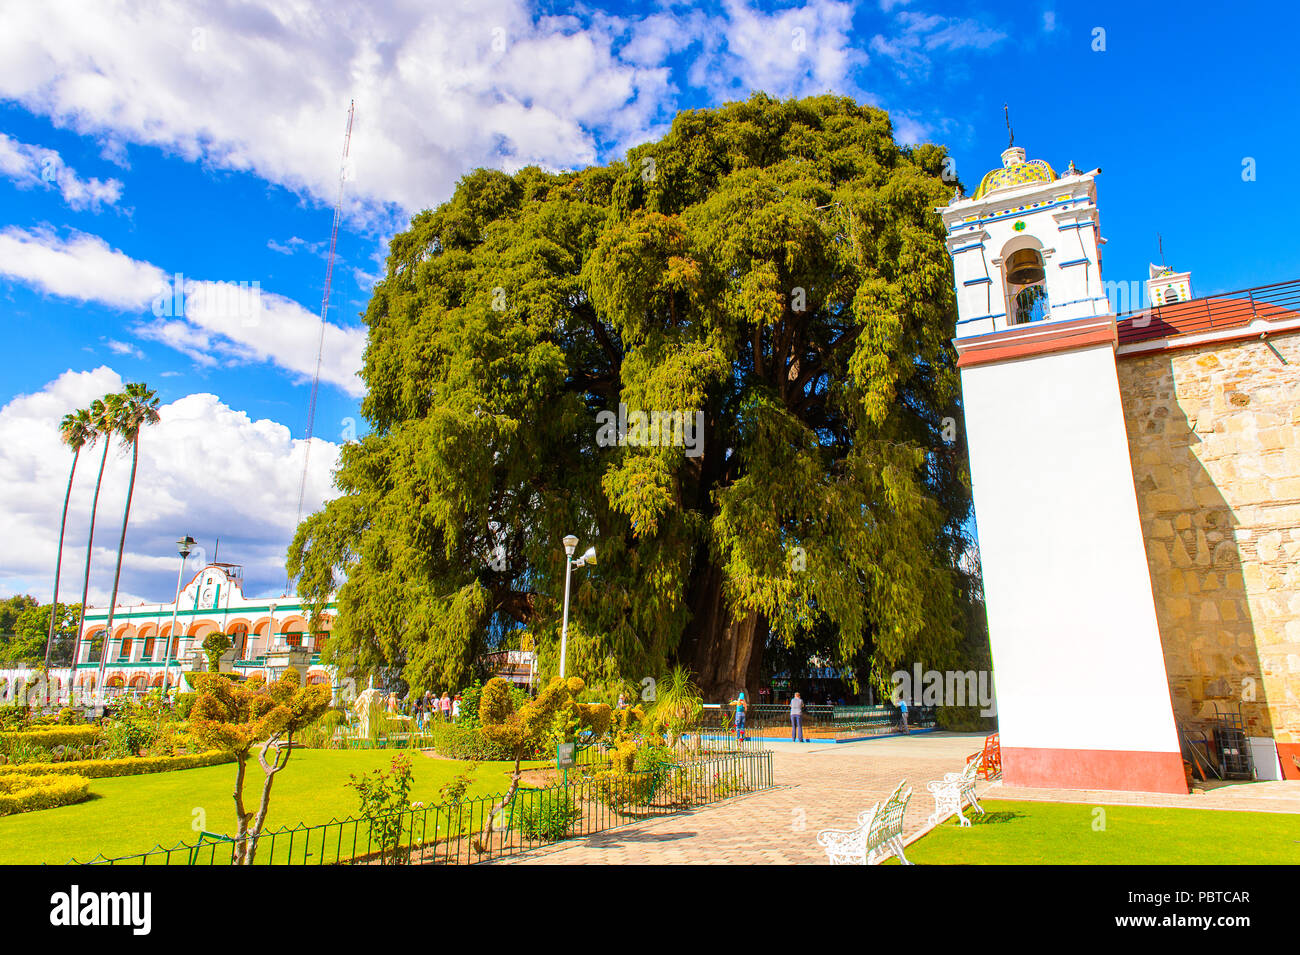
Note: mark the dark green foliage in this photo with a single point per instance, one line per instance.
(776, 266)
(24, 629)
(456, 741)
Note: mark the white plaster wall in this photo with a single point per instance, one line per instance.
(1076, 649)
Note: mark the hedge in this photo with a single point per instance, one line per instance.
(463, 742)
(129, 766)
(48, 737)
(25, 793)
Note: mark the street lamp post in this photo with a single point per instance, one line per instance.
(183, 547)
(570, 545)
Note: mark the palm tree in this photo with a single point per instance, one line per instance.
(678, 703)
(75, 431)
(101, 422)
(132, 410)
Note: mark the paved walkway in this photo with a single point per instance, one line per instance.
(826, 785)
(818, 786)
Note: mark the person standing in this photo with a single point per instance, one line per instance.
(739, 704)
(796, 719)
(902, 713)
(446, 708)
(455, 709)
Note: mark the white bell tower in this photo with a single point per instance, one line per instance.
(1083, 698)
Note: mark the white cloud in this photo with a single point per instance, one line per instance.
(211, 322)
(123, 348)
(30, 166)
(920, 34)
(798, 51)
(294, 244)
(81, 267)
(206, 470)
(439, 88)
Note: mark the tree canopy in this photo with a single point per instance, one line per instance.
(773, 270)
(24, 629)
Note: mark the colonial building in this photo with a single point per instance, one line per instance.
(152, 643)
(1136, 481)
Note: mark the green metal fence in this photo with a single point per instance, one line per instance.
(594, 800)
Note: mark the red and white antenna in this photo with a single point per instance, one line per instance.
(324, 310)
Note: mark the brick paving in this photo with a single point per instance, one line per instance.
(818, 786)
(826, 785)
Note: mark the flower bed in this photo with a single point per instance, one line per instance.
(25, 792)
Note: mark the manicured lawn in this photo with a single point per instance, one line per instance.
(130, 814)
(1040, 833)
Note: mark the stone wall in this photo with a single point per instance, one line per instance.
(1214, 434)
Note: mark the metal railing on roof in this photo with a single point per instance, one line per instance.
(1278, 301)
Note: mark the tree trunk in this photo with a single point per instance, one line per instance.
(485, 839)
(121, 543)
(58, 566)
(241, 830)
(724, 653)
(284, 749)
(85, 584)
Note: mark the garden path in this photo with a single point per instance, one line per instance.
(825, 785)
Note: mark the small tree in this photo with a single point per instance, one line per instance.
(678, 703)
(214, 645)
(523, 729)
(385, 798)
(235, 717)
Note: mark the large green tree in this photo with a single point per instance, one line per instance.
(25, 628)
(776, 267)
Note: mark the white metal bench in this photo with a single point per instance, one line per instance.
(879, 832)
(954, 789)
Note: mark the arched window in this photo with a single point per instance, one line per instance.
(1026, 287)
(239, 639)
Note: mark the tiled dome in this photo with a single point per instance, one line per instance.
(1014, 172)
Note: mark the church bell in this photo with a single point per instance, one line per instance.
(1025, 267)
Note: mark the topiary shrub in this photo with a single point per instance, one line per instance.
(214, 647)
(465, 742)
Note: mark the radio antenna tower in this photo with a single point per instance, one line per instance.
(324, 312)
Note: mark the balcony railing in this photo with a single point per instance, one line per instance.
(1277, 302)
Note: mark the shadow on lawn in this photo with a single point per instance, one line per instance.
(989, 818)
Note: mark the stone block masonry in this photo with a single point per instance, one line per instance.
(1214, 436)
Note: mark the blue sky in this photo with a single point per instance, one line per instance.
(205, 139)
